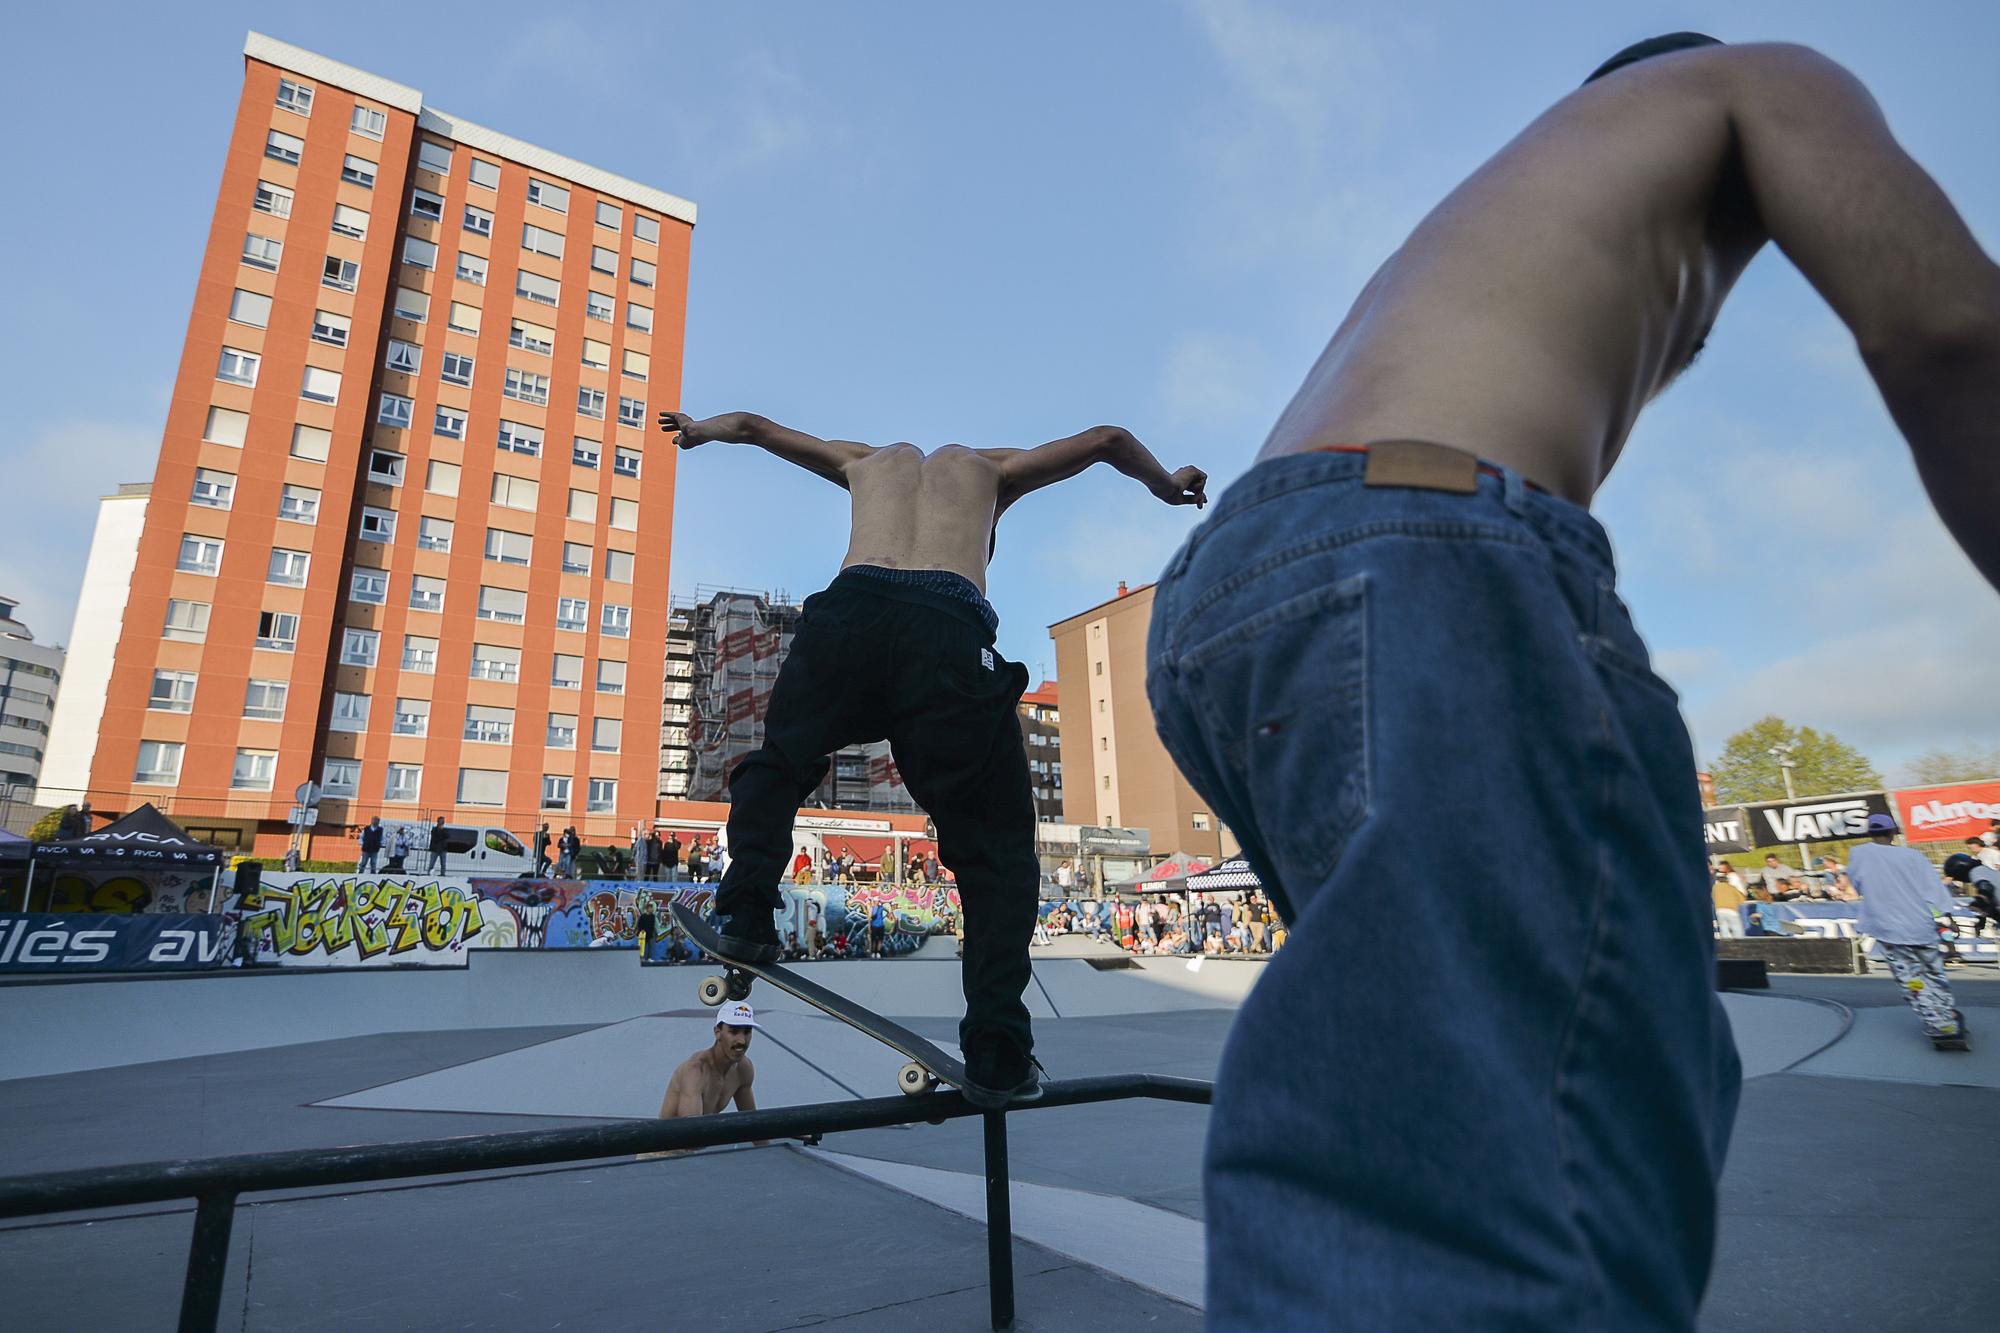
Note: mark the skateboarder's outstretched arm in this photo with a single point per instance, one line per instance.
(1025, 470)
(824, 458)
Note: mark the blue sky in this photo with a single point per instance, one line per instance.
(998, 225)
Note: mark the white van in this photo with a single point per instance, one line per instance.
(470, 849)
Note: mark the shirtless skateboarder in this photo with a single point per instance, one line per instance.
(900, 647)
(716, 1075)
(1402, 618)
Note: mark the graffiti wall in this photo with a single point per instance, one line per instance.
(574, 913)
(321, 920)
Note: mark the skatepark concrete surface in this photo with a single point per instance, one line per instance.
(1857, 1194)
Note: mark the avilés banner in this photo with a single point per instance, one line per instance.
(93, 942)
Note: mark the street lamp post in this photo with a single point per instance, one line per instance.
(1782, 752)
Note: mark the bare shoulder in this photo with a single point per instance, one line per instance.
(748, 1072)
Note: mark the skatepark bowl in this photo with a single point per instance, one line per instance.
(477, 1146)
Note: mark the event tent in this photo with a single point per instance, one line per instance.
(1234, 873)
(13, 847)
(1170, 876)
(144, 837)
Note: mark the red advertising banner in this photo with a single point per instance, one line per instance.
(1946, 814)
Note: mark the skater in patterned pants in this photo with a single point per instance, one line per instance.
(1902, 898)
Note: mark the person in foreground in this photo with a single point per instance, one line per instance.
(1403, 617)
(900, 647)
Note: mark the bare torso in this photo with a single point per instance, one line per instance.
(698, 1076)
(1533, 313)
(912, 510)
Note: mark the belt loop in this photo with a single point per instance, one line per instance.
(1513, 489)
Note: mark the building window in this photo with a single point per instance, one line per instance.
(637, 365)
(618, 566)
(617, 621)
(420, 654)
(526, 386)
(350, 712)
(555, 791)
(599, 305)
(540, 241)
(288, 569)
(350, 221)
(552, 197)
(419, 253)
(625, 462)
(424, 204)
(575, 558)
(508, 606)
(456, 368)
(213, 489)
(1199, 821)
(199, 555)
(514, 492)
(295, 96)
(226, 427)
(299, 504)
(341, 777)
(584, 452)
(264, 700)
(645, 228)
(386, 467)
(426, 593)
(531, 337)
(624, 514)
(449, 422)
(187, 622)
(610, 676)
(491, 661)
(478, 221)
(644, 274)
(609, 215)
(284, 147)
(237, 366)
(596, 355)
(404, 782)
(495, 726)
(484, 174)
(462, 318)
(412, 718)
(639, 317)
(254, 770)
(340, 274)
(603, 796)
(482, 786)
(573, 613)
(173, 692)
(434, 156)
(412, 304)
(370, 586)
(518, 437)
(262, 251)
(369, 122)
(535, 287)
(433, 534)
(159, 764)
(441, 478)
(631, 411)
(472, 268)
(406, 357)
(603, 260)
(377, 525)
(583, 506)
(590, 402)
(508, 548)
(330, 328)
(567, 673)
(604, 735)
(395, 411)
(358, 171)
(320, 386)
(562, 731)
(273, 199)
(252, 308)
(358, 647)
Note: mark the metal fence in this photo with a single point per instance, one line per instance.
(216, 1183)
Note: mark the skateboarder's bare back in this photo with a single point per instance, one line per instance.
(900, 647)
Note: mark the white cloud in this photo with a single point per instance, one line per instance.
(1215, 381)
(56, 477)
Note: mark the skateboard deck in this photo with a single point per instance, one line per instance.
(929, 1063)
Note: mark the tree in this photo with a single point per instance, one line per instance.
(1823, 764)
(1968, 765)
(45, 827)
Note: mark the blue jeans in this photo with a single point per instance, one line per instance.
(1486, 1083)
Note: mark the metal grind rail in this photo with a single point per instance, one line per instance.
(216, 1182)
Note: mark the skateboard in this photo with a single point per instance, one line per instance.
(1960, 1040)
(928, 1065)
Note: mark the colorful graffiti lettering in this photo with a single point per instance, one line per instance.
(572, 914)
(910, 909)
(385, 920)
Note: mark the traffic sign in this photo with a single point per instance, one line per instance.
(303, 816)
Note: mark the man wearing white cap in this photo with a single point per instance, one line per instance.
(1902, 899)
(712, 1077)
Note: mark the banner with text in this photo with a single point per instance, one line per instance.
(1815, 818)
(93, 942)
(1950, 813)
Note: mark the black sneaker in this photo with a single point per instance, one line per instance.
(998, 1073)
(754, 940)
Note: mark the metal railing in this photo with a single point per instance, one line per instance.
(215, 1183)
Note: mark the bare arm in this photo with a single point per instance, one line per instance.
(824, 458)
(1025, 470)
(1882, 243)
(683, 1095)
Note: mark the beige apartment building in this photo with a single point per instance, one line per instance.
(1115, 771)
